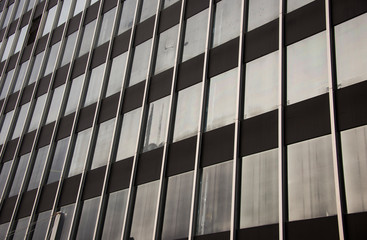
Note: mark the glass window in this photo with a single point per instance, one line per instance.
(30, 4)
(79, 6)
(351, 51)
(5, 127)
(67, 215)
(261, 12)
(19, 174)
(144, 211)
(50, 20)
(37, 113)
(168, 3)
(214, 207)
(155, 131)
(261, 85)
(114, 219)
(106, 26)
(36, 67)
(88, 219)
(51, 60)
(20, 77)
(227, 13)
(40, 227)
(140, 63)
(3, 230)
(178, 205)
(20, 229)
(21, 120)
(116, 74)
(295, 4)
(103, 144)
(80, 152)
(58, 160)
(166, 50)
(128, 134)
(21, 37)
(66, 4)
(127, 15)
(55, 104)
(38, 167)
(7, 83)
(149, 8)
(69, 48)
(311, 190)
(87, 38)
(8, 15)
(259, 189)
(307, 68)
(8, 46)
(221, 109)
(354, 143)
(187, 112)
(19, 8)
(74, 95)
(4, 174)
(94, 85)
(195, 35)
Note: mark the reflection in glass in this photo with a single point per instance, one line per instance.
(19, 174)
(351, 51)
(21, 120)
(66, 217)
(114, 219)
(38, 167)
(168, 3)
(295, 4)
(148, 9)
(227, 13)
(88, 219)
(4, 174)
(195, 35)
(8, 46)
(221, 108)
(8, 15)
(103, 144)
(58, 160)
(74, 95)
(140, 63)
(3, 230)
(178, 204)
(80, 152)
(7, 83)
(37, 113)
(36, 67)
(20, 229)
(261, 85)
(50, 20)
(30, 4)
(187, 112)
(66, 4)
(307, 68)
(214, 207)
(116, 74)
(128, 134)
(262, 12)
(166, 50)
(354, 143)
(21, 38)
(127, 15)
(144, 211)
(69, 48)
(20, 77)
(94, 85)
(51, 60)
(155, 131)
(311, 189)
(79, 6)
(106, 26)
(40, 228)
(5, 126)
(56, 101)
(87, 38)
(259, 189)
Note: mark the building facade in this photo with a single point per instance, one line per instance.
(183, 119)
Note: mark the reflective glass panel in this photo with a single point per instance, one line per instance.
(19, 9)
(19, 174)
(295, 4)
(140, 63)
(103, 144)
(20, 229)
(168, 3)
(58, 160)
(5, 126)
(148, 9)
(127, 15)
(261, 12)
(74, 94)
(40, 228)
(80, 152)
(79, 6)
(67, 215)
(94, 85)
(52, 57)
(166, 50)
(69, 48)
(50, 20)
(3, 230)
(38, 168)
(21, 38)
(8, 15)
(55, 104)
(7, 83)
(20, 121)
(214, 207)
(4, 174)
(116, 74)
(8, 46)
(311, 189)
(106, 26)
(36, 67)
(20, 77)
(66, 4)
(30, 4)
(87, 38)
(37, 113)
(88, 219)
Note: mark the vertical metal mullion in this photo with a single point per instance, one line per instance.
(204, 93)
(6, 31)
(335, 135)
(3, 15)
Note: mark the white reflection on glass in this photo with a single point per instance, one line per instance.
(127, 15)
(21, 38)
(259, 189)
(20, 77)
(36, 68)
(80, 152)
(94, 85)
(106, 26)
(116, 74)
(311, 190)
(20, 230)
(37, 113)
(38, 167)
(55, 104)
(103, 144)
(8, 46)
(168, 3)
(307, 68)
(354, 143)
(58, 160)
(3, 230)
(19, 174)
(261, 85)
(295, 4)
(74, 94)
(8, 15)
(7, 83)
(66, 4)
(214, 207)
(221, 108)
(79, 6)
(21, 120)
(149, 7)
(69, 48)
(140, 63)
(52, 57)
(261, 12)
(4, 173)
(50, 20)
(5, 126)
(40, 228)
(88, 219)
(87, 38)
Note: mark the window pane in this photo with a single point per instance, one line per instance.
(20, 230)
(67, 215)
(94, 85)
(40, 228)
(37, 113)
(103, 144)
(66, 4)
(50, 20)
(20, 121)
(19, 174)
(7, 83)
(295, 4)
(116, 75)
(155, 131)
(21, 38)
(115, 215)
(19, 9)
(80, 152)
(140, 63)
(79, 6)
(106, 26)
(69, 48)
(261, 85)
(354, 143)
(221, 109)
(38, 167)
(20, 77)
(5, 126)
(168, 3)
(88, 219)
(261, 12)
(311, 189)
(195, 35)
(8, 15)
(74, 95)
(30, 4)
(127, 15)
(307, 68)
(214, 207)
(128, 135)
(187, 112)
(351, 51)
(36, 67)
(166, 50)
(8, 46)
(55, 104)
(149, 8)
(58, 160)
(87, 38)
(4, 174)
(144, 211)
(227, 13)
(178, 204)
(3, 230)
(52, 57)
(259, 189)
